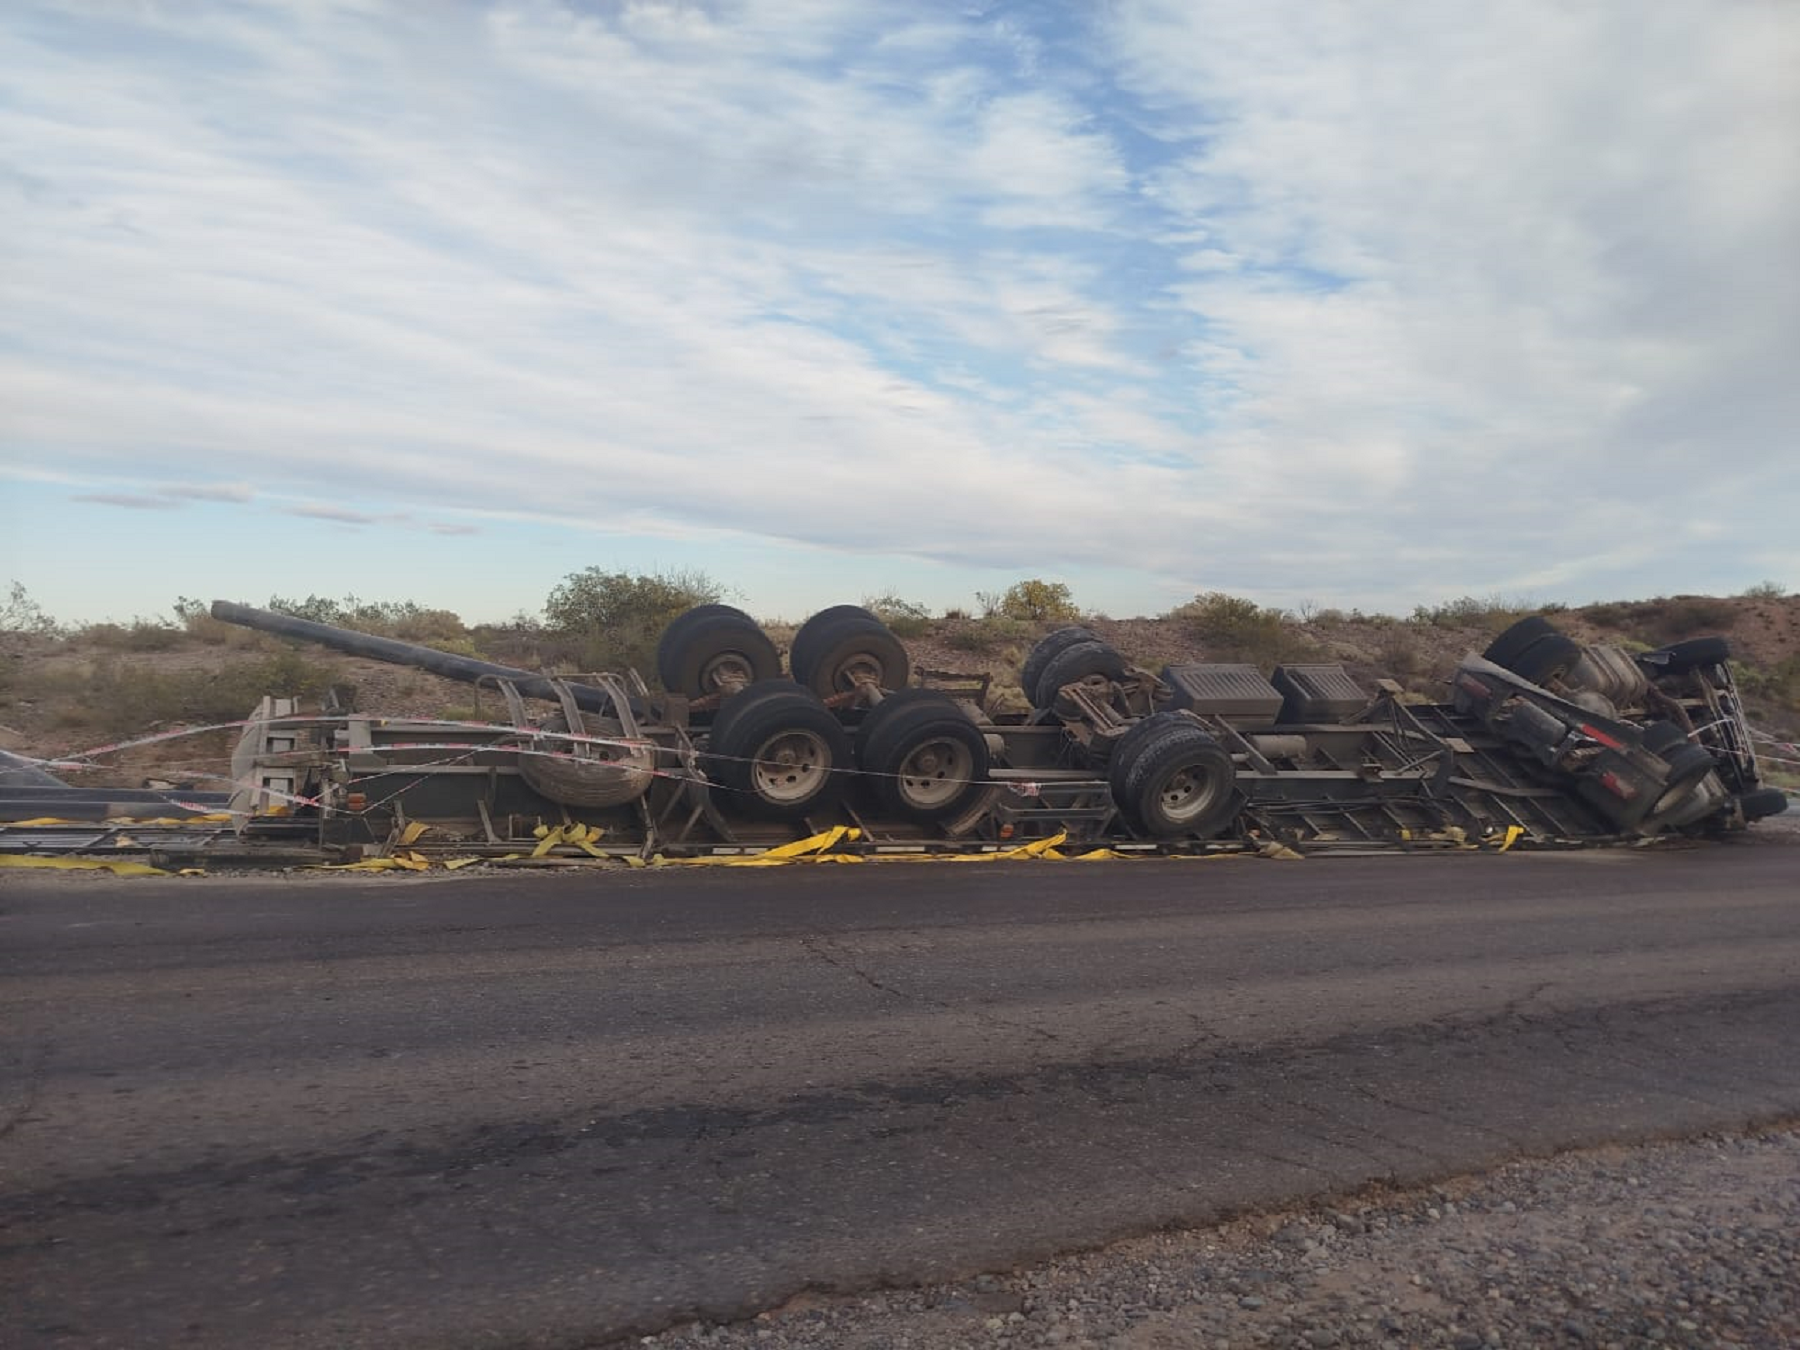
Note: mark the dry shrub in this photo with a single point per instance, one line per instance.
(1491, 614)
(904, 618)
(140, 635)
(117, 699)
(1665, 618)
(1234, 628)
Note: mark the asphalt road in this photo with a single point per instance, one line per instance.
(551, 1110)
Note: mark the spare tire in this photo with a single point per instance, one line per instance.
(597, 775)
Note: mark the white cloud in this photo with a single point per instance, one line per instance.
(1252, 297)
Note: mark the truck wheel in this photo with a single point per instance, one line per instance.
(671, 636)
(614, 776)
(1662, 736)
(1760, 803)
(1688, 764)
(1077, 662)
(1550, 657)
(801, 649)
(844, 651)
(779, 752)
(1136, 737)
(1181, 783)
(1046, 649)
(1684, 656)
(703, 655)
(1512, 642)
(926, 759)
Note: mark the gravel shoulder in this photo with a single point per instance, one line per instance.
(1692, 1243)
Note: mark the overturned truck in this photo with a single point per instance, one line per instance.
(1544, 741)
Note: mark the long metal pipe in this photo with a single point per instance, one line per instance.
(452, 667)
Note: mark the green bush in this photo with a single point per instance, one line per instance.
(1036, 601)
(612, 620)
(1764, 590)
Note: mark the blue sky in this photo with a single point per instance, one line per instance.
(1362, 304)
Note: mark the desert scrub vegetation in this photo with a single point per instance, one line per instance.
(599, 620)
(904, 618)
(1665, 618)
(994, 633)
(1235, 628)
(1032, 600)
(113, 696)
(22, 616)
(1490, 614)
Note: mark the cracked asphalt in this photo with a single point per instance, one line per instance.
(527, 1110)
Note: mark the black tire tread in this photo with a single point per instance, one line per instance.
(1512, 641)
(1549, 658)
(1166, 751)
(694, 644)
(1046, 649)
(1073, 663)
(844, 637)
(762, 712)
(882, 748)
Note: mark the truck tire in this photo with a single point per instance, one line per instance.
(671, 636)
(614, 776)
(848, 649)
(1076, 662)
(1684, 656)
(1046, 649)
(926, 761)
(1136, 737)
(801, 649)
(1662, 736)
(1688, 764)
(1548, 659)
(700, 656)
(1761, 803)
(779, 753)
(1512, 641)
(1181, 783)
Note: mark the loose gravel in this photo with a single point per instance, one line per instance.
(1686, 1244)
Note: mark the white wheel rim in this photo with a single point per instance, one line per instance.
(1187, 793)
(934, 772)
(790, 767)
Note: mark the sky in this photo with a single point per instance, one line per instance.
(1329, 304)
